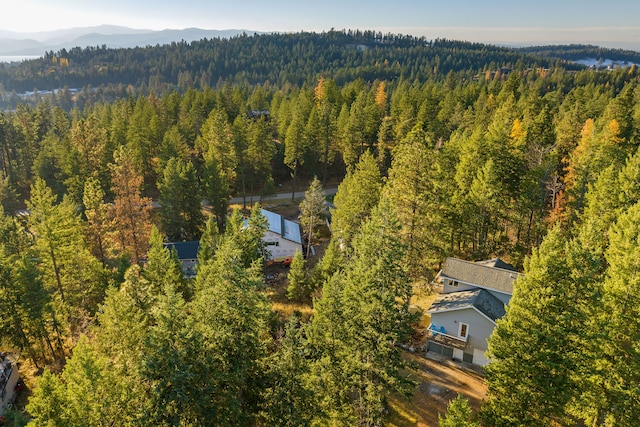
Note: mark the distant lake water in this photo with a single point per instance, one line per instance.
(591, 62)
(17, 58)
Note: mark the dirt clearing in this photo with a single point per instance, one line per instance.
(437, 383)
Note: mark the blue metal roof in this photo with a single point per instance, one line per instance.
(275, 221)
(186, 250)
(287, 229)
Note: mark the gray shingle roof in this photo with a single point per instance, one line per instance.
(497, 263)
(480, 274)
(482, 300)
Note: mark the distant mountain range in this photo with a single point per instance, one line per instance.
(19, 44)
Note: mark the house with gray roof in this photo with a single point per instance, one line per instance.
(473, 298)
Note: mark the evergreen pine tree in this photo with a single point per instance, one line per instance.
(360, 317)
(208, 241)
(358, 194)
(312, 211)
(174, 365)
(298, 287)
(458, 414)
(162, 268)
(47, 406)
(535, 347)
(230, 315)
(97, 213)
(73, 276)
(286, 398)
(619, 366)
(180, 201)
(407, 192)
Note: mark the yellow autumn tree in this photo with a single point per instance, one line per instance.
(318, 91)
(594, 152)
(611, 133)
(577, 170)
(381, 96)
(518, 135)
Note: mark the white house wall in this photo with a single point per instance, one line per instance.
(479, 358)
(448, 287)
(480, 328)
(189, 267)
(283, 248)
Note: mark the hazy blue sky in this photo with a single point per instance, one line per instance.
(604, 22)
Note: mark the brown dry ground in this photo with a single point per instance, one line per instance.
(437, 381)
(436, 384)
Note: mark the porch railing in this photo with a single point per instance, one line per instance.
(446, 339)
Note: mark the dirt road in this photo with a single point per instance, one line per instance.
(278, 196)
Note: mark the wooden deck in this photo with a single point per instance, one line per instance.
(447, 340)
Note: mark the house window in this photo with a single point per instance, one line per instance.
(463, 332)
(273, 243)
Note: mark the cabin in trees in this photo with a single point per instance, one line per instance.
(283, 238)
(187, 254)
(474, 295)
(9, 378)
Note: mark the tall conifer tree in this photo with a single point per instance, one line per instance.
(180, 201)
(362, 315)
(536, 348)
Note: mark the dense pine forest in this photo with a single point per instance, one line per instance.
(440, 148)
(281, 59)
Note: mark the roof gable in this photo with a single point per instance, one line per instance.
(497, 263)
(479, 299)
(481, 274)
